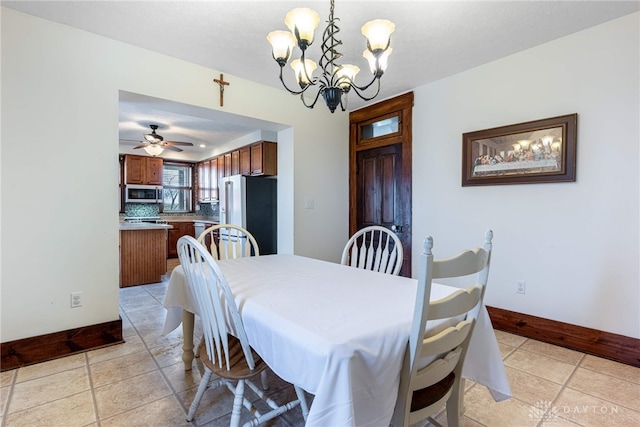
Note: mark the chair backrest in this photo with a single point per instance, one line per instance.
(216, 306)
(229, 241)
(374, 248)
(423, 388)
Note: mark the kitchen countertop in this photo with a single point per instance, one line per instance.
(143, 226)
(207, 219)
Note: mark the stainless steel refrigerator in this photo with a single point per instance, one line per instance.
(251, 203)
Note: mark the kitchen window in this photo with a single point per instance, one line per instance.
(177, 187)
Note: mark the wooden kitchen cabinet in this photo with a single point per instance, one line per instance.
(208, 180)
(213, 178)
(221, 171)
(245, 160)
(227, 164)
(235, 162)
(142, 170)
(204, 178)
(179, 229)
(264, 158)
(143, 256)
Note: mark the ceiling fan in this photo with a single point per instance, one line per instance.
(157, 142)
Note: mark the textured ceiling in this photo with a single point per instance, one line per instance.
(433, 39)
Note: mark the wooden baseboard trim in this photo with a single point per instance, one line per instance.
(28, 351)
(592, 341)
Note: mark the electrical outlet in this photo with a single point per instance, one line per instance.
(76, 299)
(522, 287)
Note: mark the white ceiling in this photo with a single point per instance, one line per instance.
(433, 40)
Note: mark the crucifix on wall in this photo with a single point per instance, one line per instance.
(222, 84)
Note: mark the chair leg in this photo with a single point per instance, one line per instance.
(201, 389)
(453, 408)
(199, 347)
(237, 404)
(265, 382)
(303, 402)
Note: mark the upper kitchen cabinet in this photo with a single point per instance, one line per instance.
(264, 158)
(208, 180)
(245, 160)
(204, 180)
(142, 170)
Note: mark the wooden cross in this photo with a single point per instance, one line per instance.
(222, 84)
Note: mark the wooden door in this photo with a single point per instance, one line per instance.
(380, 170)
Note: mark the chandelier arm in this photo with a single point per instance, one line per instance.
(293, 92)
(365, 87)
(312, 82)
(358, 90)
(343, 106)
(314, 101)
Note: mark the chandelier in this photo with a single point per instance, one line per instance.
(336, 80)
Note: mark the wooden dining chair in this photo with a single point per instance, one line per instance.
(424, 390)
(226, 241)
(226, 352)
(374, 248)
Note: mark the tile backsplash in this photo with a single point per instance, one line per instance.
(151, 209)
(140, 209)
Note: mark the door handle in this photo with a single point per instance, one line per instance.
(396, 228)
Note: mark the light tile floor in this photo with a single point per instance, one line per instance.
(143, 383)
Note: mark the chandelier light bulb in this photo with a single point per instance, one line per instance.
(282, 43)
(346, 74)
(377, 63)
(378, 32)
(303, 71)
(303, 23)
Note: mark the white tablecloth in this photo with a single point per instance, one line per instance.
(338, 332)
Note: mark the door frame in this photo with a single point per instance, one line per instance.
(401, 106)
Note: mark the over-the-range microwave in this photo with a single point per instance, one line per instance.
(143, 194)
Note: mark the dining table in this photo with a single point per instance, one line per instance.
(339, 332)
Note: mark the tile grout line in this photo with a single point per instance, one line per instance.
(564, 387)
(5, 412)
(162, 374)
(94, 402)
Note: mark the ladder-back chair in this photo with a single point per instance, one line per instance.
(226, 352)
(424, 390)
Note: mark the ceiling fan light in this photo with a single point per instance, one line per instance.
(302, 22)
(378, 33)
(282, 43)
(153, 149)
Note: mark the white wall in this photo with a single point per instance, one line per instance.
(59, 158)
(575, 244)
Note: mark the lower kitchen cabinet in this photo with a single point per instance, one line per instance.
(143, 256)
(179, 229)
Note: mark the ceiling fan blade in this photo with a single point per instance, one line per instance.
(186, 144)
(144, 144)
(172, 148)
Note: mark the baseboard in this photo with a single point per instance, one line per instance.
(28, 351)
(591, 341)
